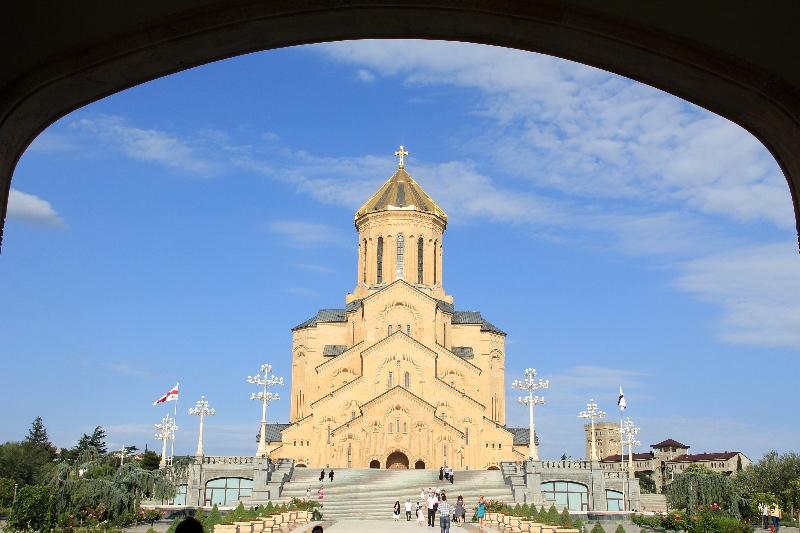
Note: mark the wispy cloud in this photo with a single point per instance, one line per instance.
(302, 291)
(32, 210)
(305, 233)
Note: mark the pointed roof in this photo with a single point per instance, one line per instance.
(401, 193)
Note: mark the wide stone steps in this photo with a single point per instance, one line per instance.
(370, 493)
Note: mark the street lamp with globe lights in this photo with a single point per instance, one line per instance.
(202, 411)
(592, 412)
(530, 385)
(628, 432)
(166, 432)
(265, 397)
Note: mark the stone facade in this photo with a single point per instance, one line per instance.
(606, 439)
(398, 378)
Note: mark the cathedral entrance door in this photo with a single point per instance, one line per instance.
(397, 460)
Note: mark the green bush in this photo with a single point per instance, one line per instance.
(173, 525)
(34, 509)
(577, 523)
(565, 520)
(552, 515)
(620, 529)
(213, 518)
(598, 528)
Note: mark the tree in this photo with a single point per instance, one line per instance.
(96, 440)
(33, 509)
(38, 434)
(26, 463)
(647, 484)
(6, 492)
(598, 528)
(792, 496)
(699, 468)
(693, 489)
(150, 460)
(771, 474)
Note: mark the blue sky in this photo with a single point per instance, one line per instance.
(620, 236)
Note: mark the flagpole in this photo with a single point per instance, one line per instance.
(622, 456)
(172, 448)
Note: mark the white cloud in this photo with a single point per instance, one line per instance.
(304, 232)
(757, 289)
(32, 210)
(302, 291)
(155, 146)
(313, 268)
(366, 76)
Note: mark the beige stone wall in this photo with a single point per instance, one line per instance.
(607, 439)
(398, 390)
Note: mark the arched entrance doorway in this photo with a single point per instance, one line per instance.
(397, 460)
(419, 465)
(374, 464)
(493, 468)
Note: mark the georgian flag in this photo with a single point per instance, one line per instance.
(620, 401)
(171, 396)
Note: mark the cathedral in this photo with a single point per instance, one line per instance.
(399, 378)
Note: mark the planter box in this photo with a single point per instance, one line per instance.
(257, 525)
(548, 529)
(525, 526)
(567, 530)
(268, 521)
(225, 528)
(244, 527)
(513, 522)
(491, 517)
(535, 527)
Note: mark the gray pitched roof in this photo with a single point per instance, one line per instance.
(330, 315)
(474, 317)
(332, 350)
(273, 432)
(464, 352)
(522, 436)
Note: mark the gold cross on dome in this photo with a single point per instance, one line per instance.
(401, 153)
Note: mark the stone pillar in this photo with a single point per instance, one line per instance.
(261, 475)
(633, 492)
(195, 489)
(597, 492)
(533, 483)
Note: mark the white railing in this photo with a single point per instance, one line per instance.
(227, 460)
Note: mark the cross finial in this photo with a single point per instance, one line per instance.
(401, 153)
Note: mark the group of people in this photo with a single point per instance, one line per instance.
(436, 504)
(446, 473)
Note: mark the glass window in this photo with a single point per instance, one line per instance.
(390, 380)
(364, 274)
(391, 428)
(329, 434)
(226, 491)
(401, 252)
(407, 379)
(405, 428)
(180, 496)
(390, 329)
(419, 260)
(466, 436)
(574, 496)
(380, 261)
(435, 263)
(614, 500)
(408, 329)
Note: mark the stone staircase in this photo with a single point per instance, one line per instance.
(653, 502)
(369, 494)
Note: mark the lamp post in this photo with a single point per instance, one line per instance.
(265, 397)
(592, 412)
(166, 432)
(629, 431)
(530, 385)
(202, 411)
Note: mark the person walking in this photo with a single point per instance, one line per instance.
(408, 510)
(422, 494)
(431, 501)
(459, 511)
(320, 493)
(330, 475)
(441, 473)
(322, 475)
(420, 514)
(396, 514)
(445, 510)
(481, 507)
(308, 493)
(451, 475)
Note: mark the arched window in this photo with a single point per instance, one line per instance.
(391, 427)
(379, 279)
(405, 428)
(420, 261)
(221, 491)
(401, 252)
(435, 262)
(364, 273)
(407, 380)
(389, 331)
(466, 436)
(390, 380)
(329, 434)
(349, 455)
(614, 500)
(573, 496)
(408, 329)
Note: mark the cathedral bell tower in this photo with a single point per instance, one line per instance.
(400, 237)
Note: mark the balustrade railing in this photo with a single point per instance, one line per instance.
(227, 460)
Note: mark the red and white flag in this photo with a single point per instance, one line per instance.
(620, 401)
(171, 396)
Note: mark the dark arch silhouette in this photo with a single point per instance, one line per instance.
(374, 464)
(493, 468)
(397, 460)
(419, 465)
(746, 69)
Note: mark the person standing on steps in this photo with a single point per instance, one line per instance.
(441, 473)
(396, 513)
(422, 494)
(308, 493)
(451, 476)
(408, 510)
(420, 515)
(330, 475)
(445, 510)
(320, 493)
(322, 475)
(459, 511)
(481, 507)
(431, 516)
